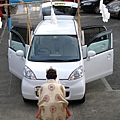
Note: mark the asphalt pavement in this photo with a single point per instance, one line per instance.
(102, 96)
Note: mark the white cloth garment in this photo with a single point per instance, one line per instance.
(52, 102)
(53, 16)
(0, 23)
(104, 11)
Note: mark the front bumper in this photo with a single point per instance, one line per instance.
(75, 89)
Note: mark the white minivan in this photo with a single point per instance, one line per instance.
(77, 60)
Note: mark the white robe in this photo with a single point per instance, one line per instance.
(52, 101)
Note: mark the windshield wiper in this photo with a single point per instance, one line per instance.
(72, 60)
(55, 60)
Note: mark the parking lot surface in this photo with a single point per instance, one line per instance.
(102, 96)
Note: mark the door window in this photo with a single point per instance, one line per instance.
(15, 43)
(91, 31)
(101, 44)
(22, 30)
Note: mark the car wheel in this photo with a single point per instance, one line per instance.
(83, 99)
(96, 9)
(119, 15)
(25, 100)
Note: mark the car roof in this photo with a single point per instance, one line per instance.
(63, 27)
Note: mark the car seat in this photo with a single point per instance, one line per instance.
(69, 49)
(44, 46)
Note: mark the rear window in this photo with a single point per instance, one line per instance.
(59, 10)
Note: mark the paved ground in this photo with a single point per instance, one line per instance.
(102, 96)
(4, 25)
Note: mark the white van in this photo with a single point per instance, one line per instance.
(59, 46)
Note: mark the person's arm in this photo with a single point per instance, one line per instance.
(39, 102)
(40, 95)
(66, 103)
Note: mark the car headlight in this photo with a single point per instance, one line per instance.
(28, 73)
(116, 8)
(77, 73)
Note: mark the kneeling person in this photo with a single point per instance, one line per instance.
(52, 103)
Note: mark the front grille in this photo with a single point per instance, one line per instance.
(66, 87)
(67, 94)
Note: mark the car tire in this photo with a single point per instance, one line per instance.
(25, 100)
(96, 9)
(83, 99)
(119, 15)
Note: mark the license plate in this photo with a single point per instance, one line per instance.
(37, 91)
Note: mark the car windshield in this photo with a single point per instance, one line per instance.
(48, 48)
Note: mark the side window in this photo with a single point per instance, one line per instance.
(91, 31)
(22, 30)
(15, 43)
(101, 44)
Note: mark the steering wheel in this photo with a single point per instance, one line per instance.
(43, 51)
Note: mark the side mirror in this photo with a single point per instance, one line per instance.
(91, 53)
(20, 53)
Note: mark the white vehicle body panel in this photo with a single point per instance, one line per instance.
(29, 88)
(60, 17)
(63, 72)
(16, 63)
(64, 68)
(99, 66)
(63, 27)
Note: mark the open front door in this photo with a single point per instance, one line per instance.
(101, 64)
(16, 42)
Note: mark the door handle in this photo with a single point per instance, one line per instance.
(109, 56)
